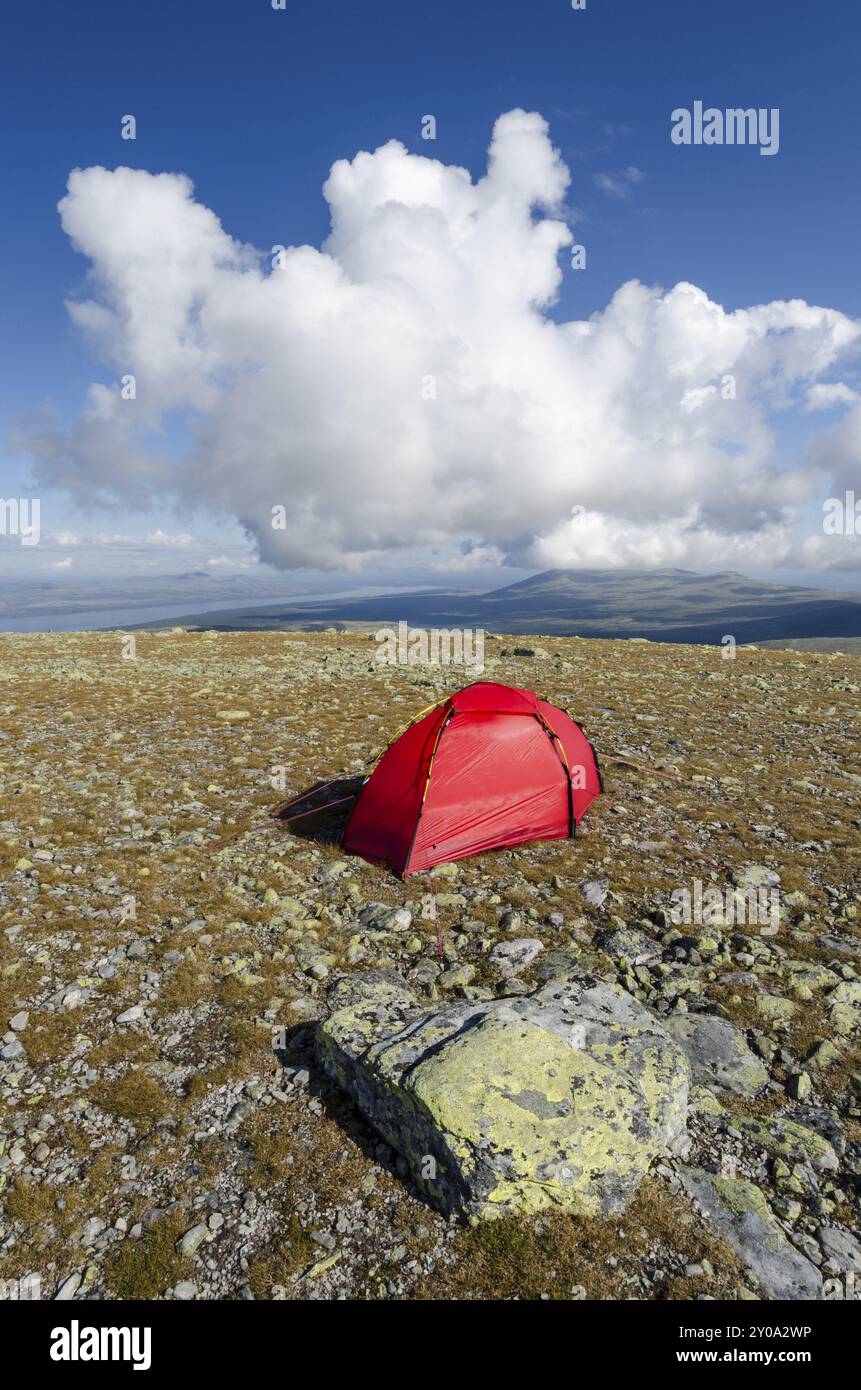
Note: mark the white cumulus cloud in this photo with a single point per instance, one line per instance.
(406, 388)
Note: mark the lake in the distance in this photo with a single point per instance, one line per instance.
(92, 619)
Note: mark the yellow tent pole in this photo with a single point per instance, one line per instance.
(439, 732)
(408, 725)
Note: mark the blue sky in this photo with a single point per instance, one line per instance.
(254, 105)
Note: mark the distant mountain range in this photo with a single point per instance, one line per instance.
(665, 605)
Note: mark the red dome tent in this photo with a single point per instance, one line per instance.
(489, 767)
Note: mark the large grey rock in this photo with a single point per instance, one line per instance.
(743, 1217)
(785, 1138)
(560, 1097)
(841, 944)
(840, 1248)
(717, 1052)
(822, 1120)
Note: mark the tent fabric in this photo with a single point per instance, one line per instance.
(488, 768)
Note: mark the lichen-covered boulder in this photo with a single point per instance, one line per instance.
(560, 1097)
(718, 1053)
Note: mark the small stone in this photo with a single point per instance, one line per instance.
(239, 1112)
(706, 1102)
(450, 870)
(513, 956)
(622, 942)
(333, 871)
(457, 978)
(130, 1015)
(756, 876)
(595, 890)
(775, 1008)
(510, 921)
(93, 1227)
(800, 1086)
(788, 1208)
(68, 1288)
(20, 1021)
(192, 1240)
(185, 1291)
(823, 1054)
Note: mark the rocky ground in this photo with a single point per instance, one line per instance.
(166, 1129)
